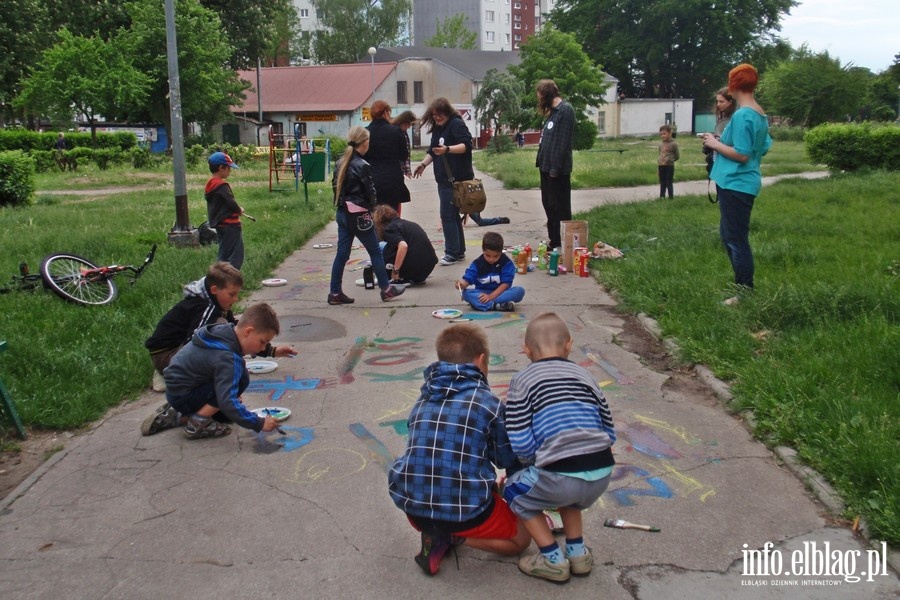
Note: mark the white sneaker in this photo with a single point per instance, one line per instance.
(159, 382)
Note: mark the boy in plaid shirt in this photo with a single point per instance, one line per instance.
(445, 481)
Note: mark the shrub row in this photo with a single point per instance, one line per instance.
(786, 133)
(27, 140)
(16, 178)
(850, 146)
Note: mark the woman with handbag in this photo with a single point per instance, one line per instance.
(354, 197)
(450, 138)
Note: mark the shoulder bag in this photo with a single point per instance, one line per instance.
(468, 196)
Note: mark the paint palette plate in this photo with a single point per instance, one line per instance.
(258, 367)
(274, 282)
(447, 313)
(276, 412)
(322, 246)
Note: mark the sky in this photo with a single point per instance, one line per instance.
(864, 32)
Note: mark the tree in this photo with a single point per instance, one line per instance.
(22, 32)
(203, 54)
(287, 46)
(85, 76)
(810, 89)
(252, 26)
(498, 104)
(350, 27)
(453, 33)
(87, 18)
(555, 55)
(669, 48)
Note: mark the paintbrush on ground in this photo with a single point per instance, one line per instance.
(622, 524)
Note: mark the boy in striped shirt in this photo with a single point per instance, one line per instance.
(559, 425)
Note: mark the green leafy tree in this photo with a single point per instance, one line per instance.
(22, 37)
(810, 89)
(885, 93)
(208, 87)
(350, 27)
(498, 105)
(287, 45)
(555, 55)
(452, 32)
(251, 27)
(667, 48)
(88, 18)
(83, 76)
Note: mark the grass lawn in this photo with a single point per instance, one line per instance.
(605, 166)
(815, 351)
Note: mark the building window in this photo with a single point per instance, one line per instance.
(489, 16)
(506, 37)
(304, 13)
(517, 5)
(601, 121)
(489, 36)
(418, 92)
(506, 19)
(319, 14)
(401, 92)
(518, 39)
(517, 18)
(517, 26)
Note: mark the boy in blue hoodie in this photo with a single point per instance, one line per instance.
(205, 380)
(492, 274)
(445, 481)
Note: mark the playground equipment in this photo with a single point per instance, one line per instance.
(297, 158)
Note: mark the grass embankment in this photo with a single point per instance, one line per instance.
(814, 351)
(604, 166)
(67, 364)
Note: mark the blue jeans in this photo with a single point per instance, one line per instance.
(451, 222)
(512, 294)
(734, 229)
(347, 230)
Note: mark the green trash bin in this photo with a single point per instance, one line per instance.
(313, 167)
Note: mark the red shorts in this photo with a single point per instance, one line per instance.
(502, 524)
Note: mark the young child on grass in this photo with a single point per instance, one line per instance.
(205, 379)
(560, 425)
(668, 154)
(222, 210)
(207, 300)
(492, 274)
(445, 479)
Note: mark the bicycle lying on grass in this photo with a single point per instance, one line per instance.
(77, 279)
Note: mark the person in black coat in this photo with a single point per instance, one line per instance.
(387, 151)
(408, 253)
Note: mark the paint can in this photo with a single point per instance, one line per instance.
(368, 278)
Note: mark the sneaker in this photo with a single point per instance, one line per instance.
(159, 382)
(503, 221)
(434, 548)
(447, 260)
(164, 417)
(505, 306)
(340, 298)
(537, 565)
(580, 566)
(203, 427)
(392, 291)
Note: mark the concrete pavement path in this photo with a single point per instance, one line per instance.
(118, 515)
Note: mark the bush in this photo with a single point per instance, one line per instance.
(849, 147)
(44, 160)
(16, 178)
(27, 140)
(500, 144)
(785, 133)
(106, 157)
(195, 154)
(585, 134)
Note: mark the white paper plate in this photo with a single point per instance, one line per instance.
(278, 413)
(447, 313)
(362, 282)
(322, 246)
(274, 282)
(258, 367)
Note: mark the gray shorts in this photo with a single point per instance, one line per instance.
(533, 490)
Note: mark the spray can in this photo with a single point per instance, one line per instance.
(368, 278)
(542, 255)
(553, 267)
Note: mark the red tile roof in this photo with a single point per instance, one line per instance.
(313, 89)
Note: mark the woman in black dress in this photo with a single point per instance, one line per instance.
(387, 151)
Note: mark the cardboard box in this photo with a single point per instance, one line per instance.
(573, 234)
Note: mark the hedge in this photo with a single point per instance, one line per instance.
(27, 140)
(849, 146)
(16, 178)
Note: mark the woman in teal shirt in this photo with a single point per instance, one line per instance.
(736, 172)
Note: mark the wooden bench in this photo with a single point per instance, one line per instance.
(6, 406)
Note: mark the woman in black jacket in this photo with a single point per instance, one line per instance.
(387, 152)
(354, 197)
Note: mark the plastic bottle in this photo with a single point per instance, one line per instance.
(553, 267)
(522, 262)
(528, 252)
(542, 255)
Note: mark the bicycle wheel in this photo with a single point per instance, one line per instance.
(64, 274)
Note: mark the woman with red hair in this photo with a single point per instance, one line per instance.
(387, 151)
(737, 173)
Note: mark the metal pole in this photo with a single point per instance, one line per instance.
(182, 228)
(372, 52)
(259, 88)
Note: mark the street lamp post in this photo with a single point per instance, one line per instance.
(372, 52)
